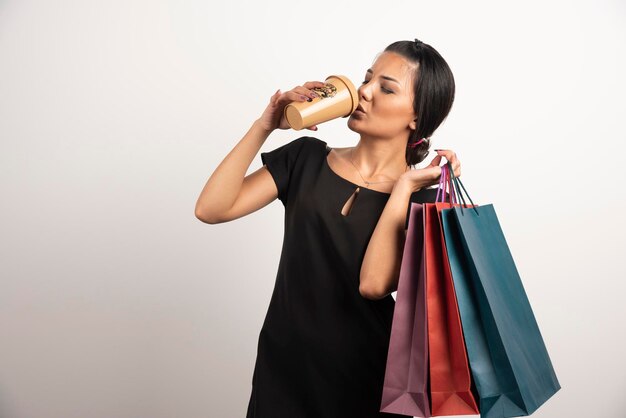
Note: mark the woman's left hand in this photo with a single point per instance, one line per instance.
(429, 176)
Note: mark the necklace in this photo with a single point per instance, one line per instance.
(369, 182)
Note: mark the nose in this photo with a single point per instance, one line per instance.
(364, 92)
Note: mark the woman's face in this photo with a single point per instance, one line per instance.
(388, 104)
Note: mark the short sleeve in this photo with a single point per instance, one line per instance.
(280, 163)
(423, 196)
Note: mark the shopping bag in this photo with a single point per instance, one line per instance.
(450, 381)
(405, 388)
(508, 359)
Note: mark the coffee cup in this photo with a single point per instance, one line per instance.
(338, 98)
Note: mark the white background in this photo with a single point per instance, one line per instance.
(115, 301)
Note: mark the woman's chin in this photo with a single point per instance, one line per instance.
(354, 122)
(353, 126)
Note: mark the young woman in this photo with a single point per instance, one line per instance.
(323, 345)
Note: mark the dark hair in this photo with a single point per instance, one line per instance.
(433, 86)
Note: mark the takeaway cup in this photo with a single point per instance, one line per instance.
(338, 98)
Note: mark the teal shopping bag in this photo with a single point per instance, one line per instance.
(508, 359)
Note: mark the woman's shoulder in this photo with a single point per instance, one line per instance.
(312, 146)
(315, 140)
(309, 143)
(299, 145)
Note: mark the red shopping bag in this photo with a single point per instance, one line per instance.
(450, 378)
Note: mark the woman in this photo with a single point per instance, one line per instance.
(323, 345)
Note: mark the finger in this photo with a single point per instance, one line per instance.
(299, 94)
(275, 97)
(450, 156)
(291, 96)
(437, 170)
(312, 128)
(445, 152)
(435, 161)
(312, 84)
(308, 93)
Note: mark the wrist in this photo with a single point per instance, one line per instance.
(407, 185)
(259, 125)
(404, 186)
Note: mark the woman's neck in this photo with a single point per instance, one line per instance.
(378, 159)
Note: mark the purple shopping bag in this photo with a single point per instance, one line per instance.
(405, 389)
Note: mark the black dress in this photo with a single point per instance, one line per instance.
(322, 349)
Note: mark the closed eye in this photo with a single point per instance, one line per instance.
(387, 91)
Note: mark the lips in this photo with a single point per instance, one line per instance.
(360, 108)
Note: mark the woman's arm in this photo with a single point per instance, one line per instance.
(218, 201)
(230, 194)
(380, 269)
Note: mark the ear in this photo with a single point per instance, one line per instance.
(413, 124)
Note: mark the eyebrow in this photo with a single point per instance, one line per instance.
(386, 77)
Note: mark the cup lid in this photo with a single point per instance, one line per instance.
(353, 92)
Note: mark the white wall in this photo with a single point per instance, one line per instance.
(115, 301)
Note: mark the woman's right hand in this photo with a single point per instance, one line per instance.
(273, 117)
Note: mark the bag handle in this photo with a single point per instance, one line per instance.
(454, 187)
(457, 181)
(441, 190)
(453, 196)
(445, 180)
